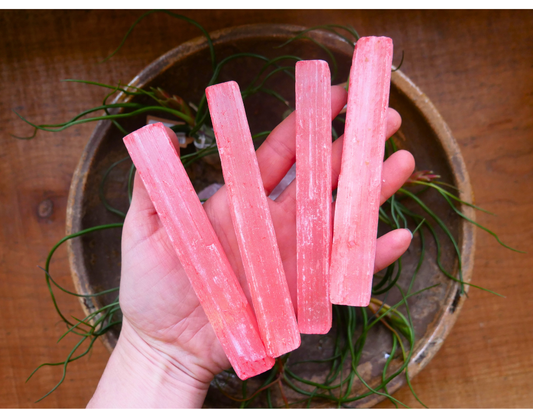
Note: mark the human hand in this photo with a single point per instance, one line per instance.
(168, 353)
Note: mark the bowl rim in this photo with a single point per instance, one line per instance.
(439, 329)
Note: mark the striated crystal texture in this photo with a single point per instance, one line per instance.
(313, 195)
(198, 247)
(358, 193)
(252, 221)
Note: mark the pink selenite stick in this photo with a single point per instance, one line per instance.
(199, 249)
(252, 221)
(313, 195)
(358, 193)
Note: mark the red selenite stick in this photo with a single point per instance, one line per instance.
(313, 195)
(358, 193)
(198, 248)
(252, 221)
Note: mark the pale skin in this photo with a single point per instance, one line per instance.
(167, 353)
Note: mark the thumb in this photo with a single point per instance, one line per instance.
(141, 220)
(140, 202)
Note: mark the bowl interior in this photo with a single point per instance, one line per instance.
(185, 71)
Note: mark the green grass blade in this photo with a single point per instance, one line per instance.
(174, 15)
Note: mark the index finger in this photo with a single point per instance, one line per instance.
(278, 153)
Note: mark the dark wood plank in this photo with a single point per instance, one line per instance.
(476, 67)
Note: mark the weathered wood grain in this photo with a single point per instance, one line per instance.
(476, 67)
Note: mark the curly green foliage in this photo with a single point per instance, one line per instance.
(353, 325)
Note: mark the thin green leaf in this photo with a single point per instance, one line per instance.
(174, 15)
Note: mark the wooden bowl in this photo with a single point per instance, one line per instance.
(185, 71)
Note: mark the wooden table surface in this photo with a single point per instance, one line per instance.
(476, 67)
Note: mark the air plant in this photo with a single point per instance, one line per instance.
(405, 209)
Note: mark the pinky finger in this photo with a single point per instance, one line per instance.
(390, 247)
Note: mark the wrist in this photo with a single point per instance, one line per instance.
(140, 376)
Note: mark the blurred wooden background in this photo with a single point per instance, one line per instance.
(476, 67)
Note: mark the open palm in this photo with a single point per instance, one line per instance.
(156, 297)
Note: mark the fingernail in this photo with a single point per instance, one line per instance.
(409, 232)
